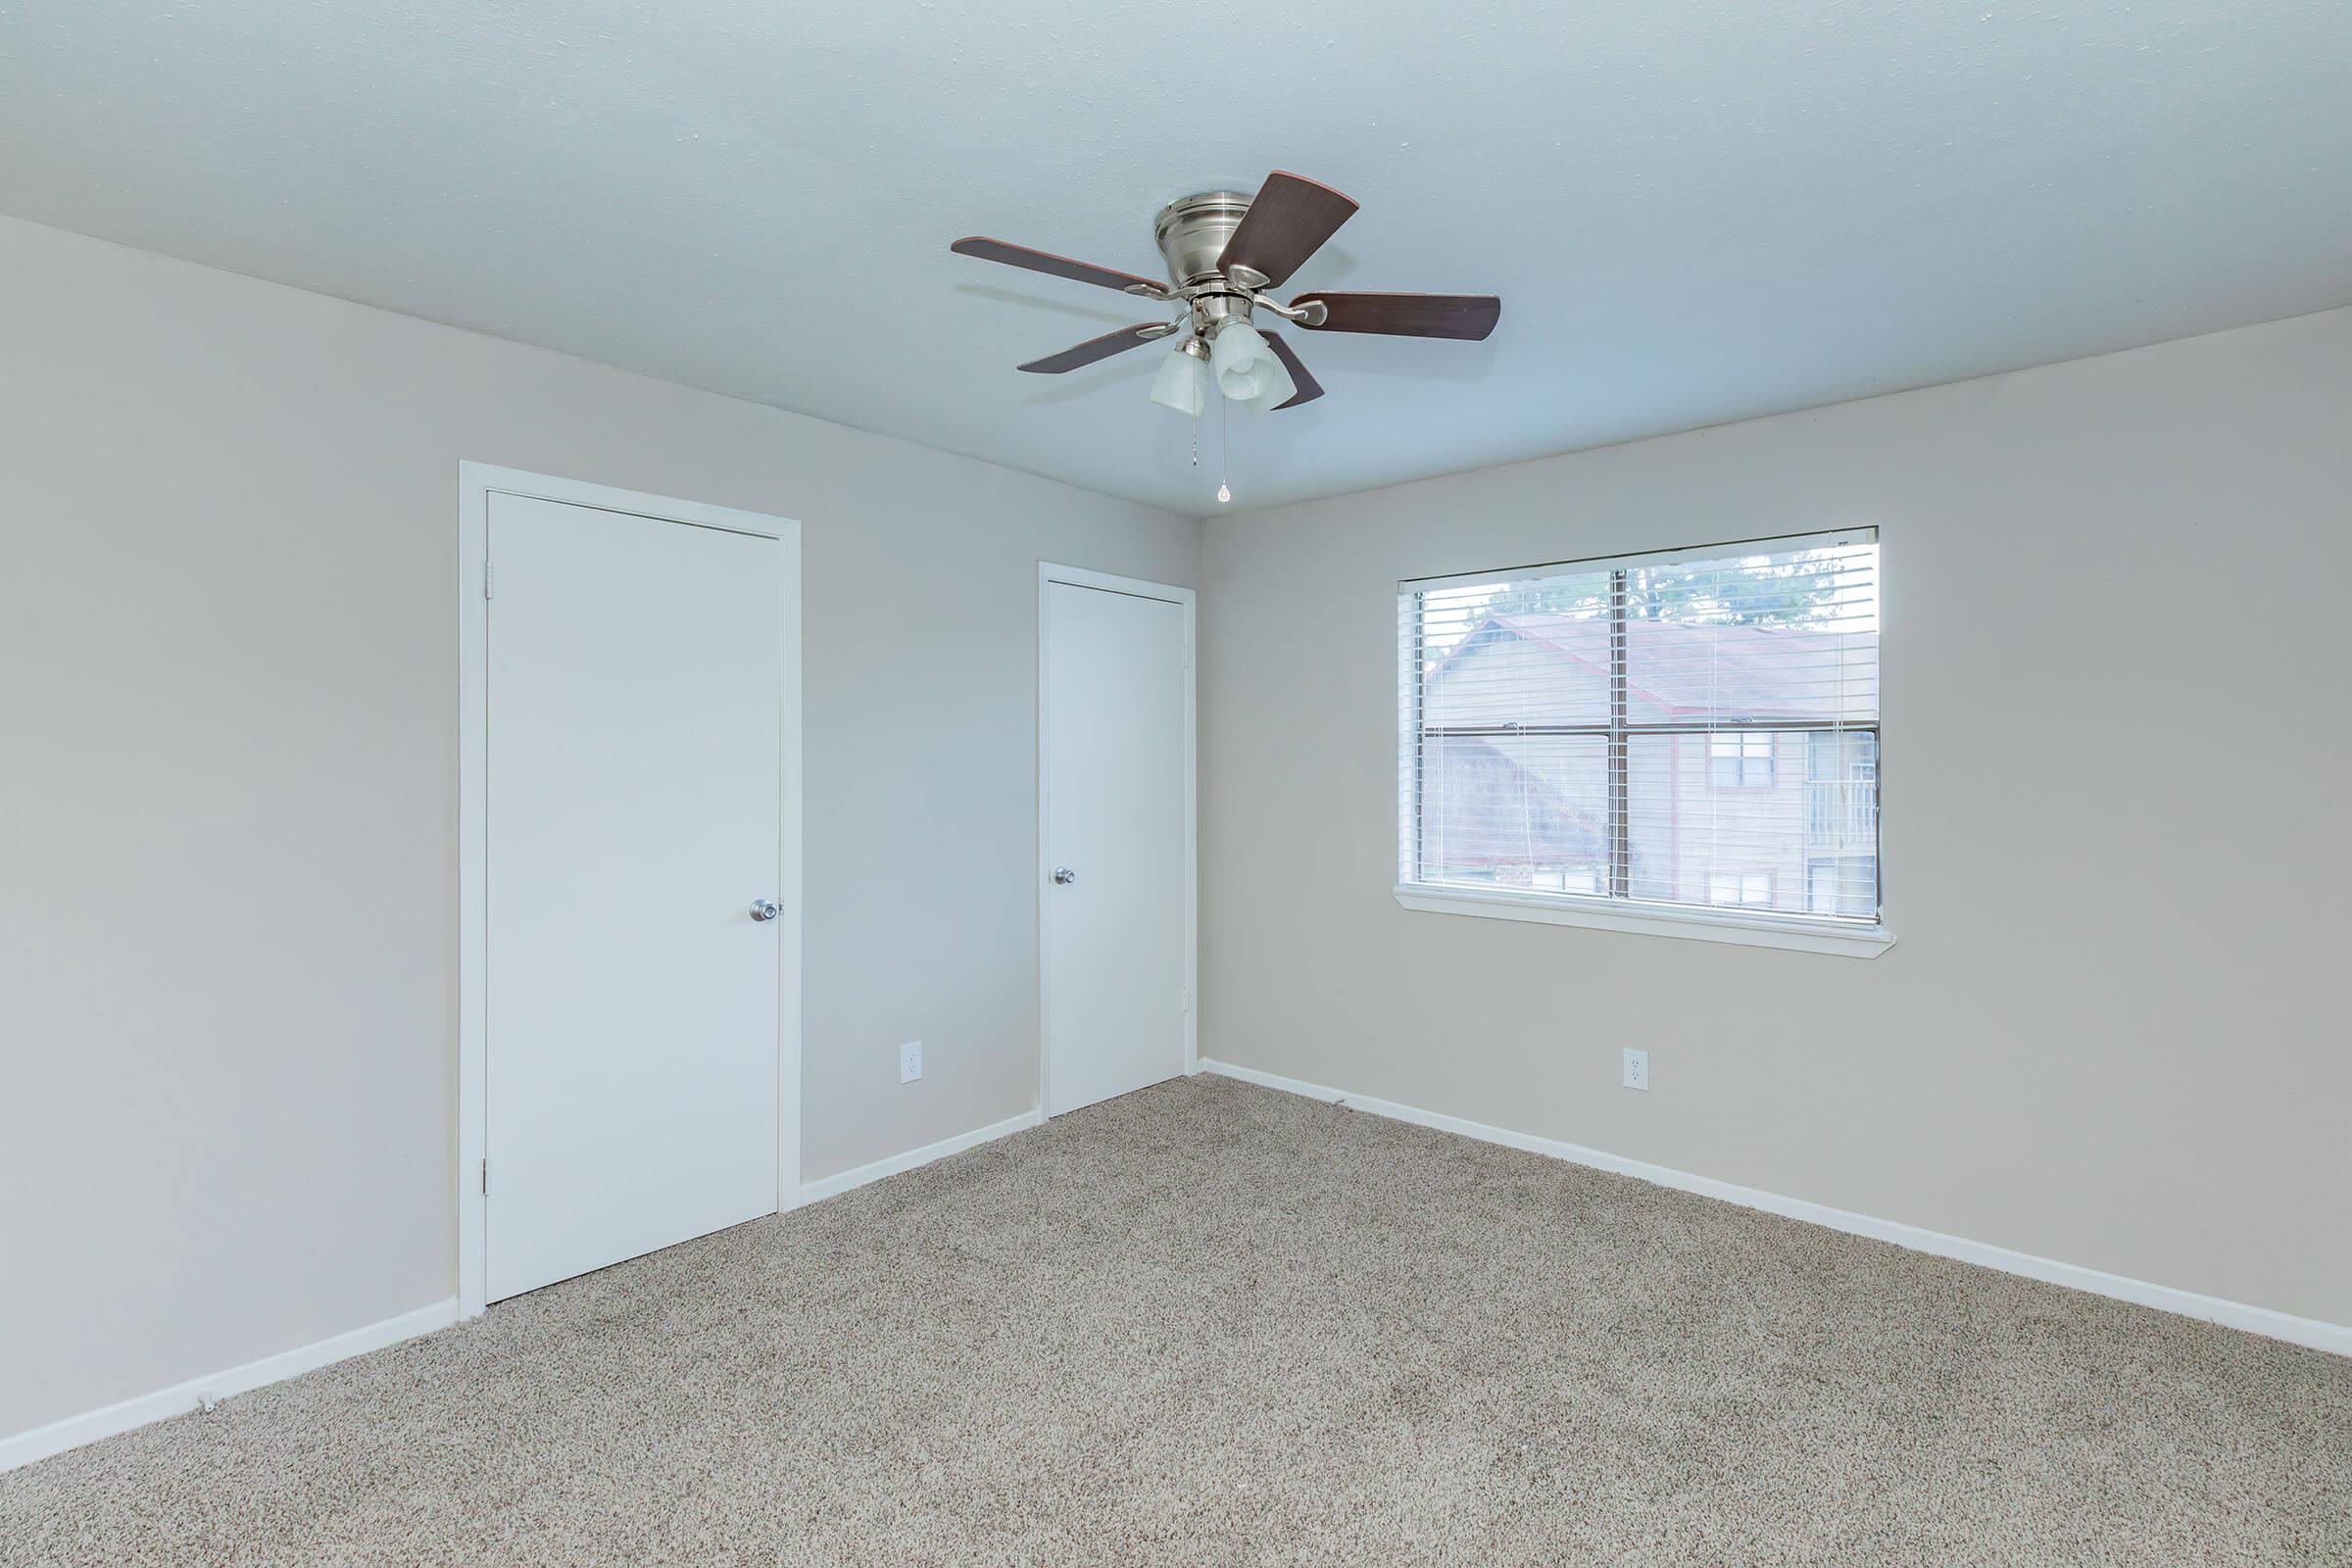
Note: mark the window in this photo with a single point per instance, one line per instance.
(1739, 759)
(1695, 731)
(1740, 887)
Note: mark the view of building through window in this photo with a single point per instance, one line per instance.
(1700, 729)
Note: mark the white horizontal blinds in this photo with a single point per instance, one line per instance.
(1753, 710)
(1698, 729)
(1506, 756)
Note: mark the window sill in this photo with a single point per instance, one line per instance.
(1853, 942)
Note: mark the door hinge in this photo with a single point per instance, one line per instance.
(1184, 1001)
(485, 1178)
(489, 580)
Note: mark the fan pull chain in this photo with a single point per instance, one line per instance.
(1224, 446)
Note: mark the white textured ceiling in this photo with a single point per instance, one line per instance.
(1692, 211)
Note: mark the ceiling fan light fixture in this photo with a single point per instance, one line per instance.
(1183, 380)
(1246, 370)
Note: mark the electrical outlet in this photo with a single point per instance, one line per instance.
(1637, 1069)
(910, 1062)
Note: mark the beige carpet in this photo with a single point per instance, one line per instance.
(1213, 1324)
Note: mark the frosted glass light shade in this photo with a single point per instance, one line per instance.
(1182, 383)
(1274, 387)
(1246, 370)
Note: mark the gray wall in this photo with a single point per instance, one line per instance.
(2118, 762)
(228, 788)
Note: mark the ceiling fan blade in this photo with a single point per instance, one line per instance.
(1463, 316)
(1287, 220)
(1308, 387)
(997, 250)
(1100, 348)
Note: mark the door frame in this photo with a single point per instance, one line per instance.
(478, 482)
(1185, 598)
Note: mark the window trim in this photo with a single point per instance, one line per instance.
(1771, 544)
(1799, 934)
(1842, 936)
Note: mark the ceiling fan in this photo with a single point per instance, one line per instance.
(1223, 251)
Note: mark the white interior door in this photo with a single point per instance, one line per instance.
(1117, 806)
(635, 765)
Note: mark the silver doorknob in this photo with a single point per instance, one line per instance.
(1064, 876)
(763, 908)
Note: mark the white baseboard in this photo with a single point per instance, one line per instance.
(2320, 1336)
(180, 1398)
(844, 1181)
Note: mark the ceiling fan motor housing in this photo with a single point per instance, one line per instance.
(1192, 233)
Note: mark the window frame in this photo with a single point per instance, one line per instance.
(1614, 909)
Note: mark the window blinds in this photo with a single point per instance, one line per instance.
(1698, 728)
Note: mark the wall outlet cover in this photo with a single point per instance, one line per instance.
(1637, 1069)
(910, 1062)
